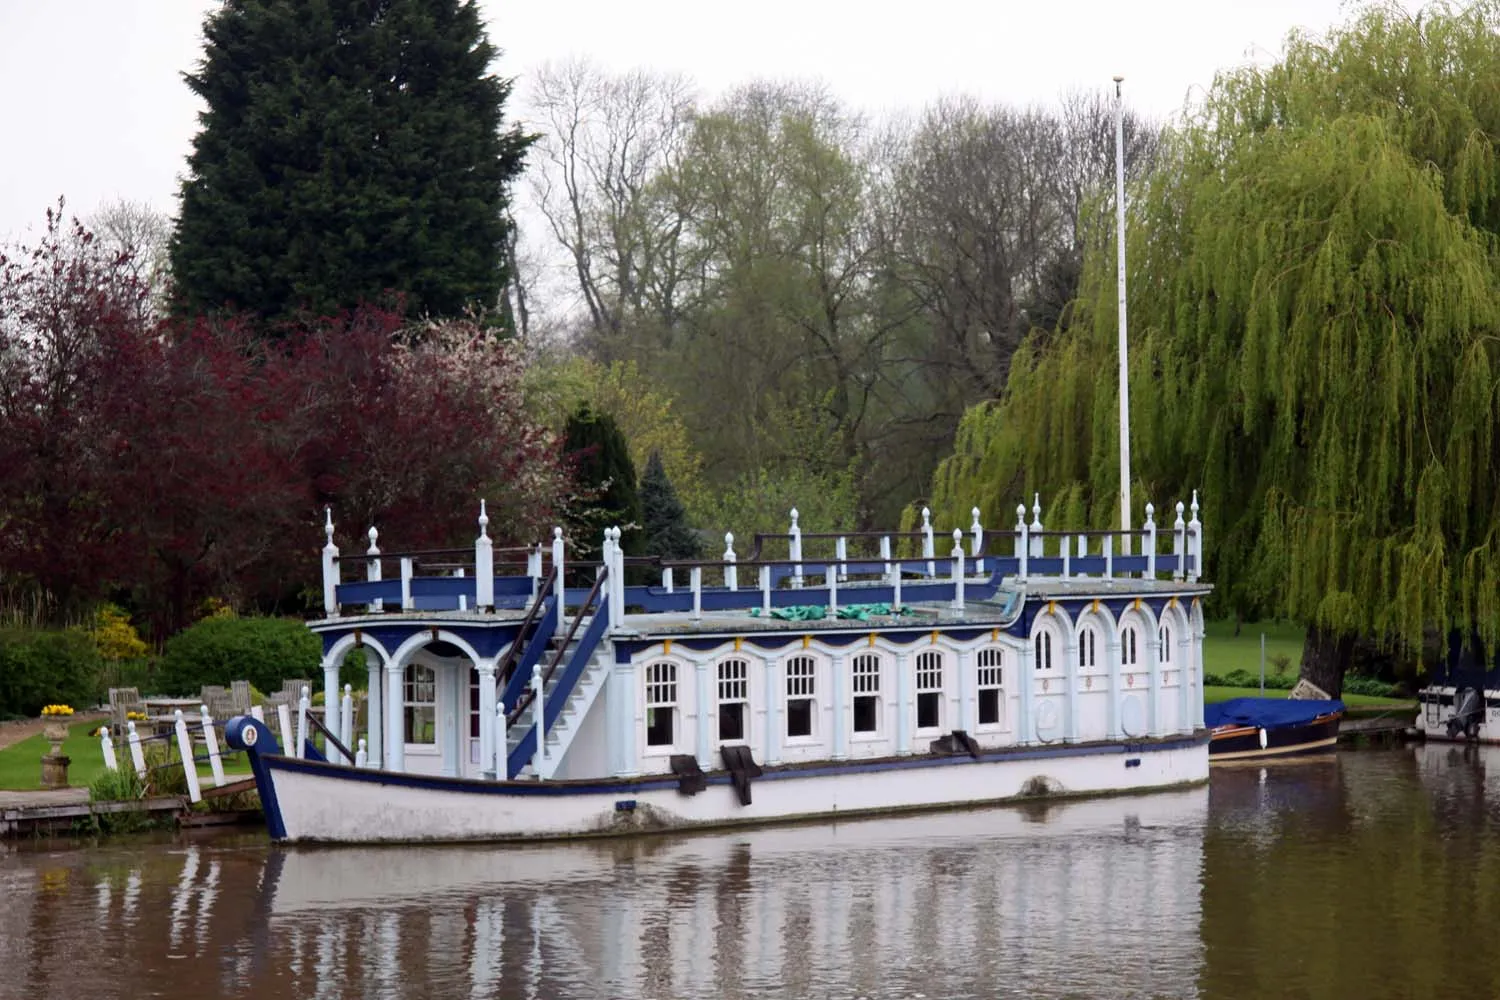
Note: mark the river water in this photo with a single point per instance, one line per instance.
(1371, 874)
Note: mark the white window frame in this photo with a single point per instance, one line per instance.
(723, 684)
(1088, 648)
(1047, 649)
(652, 689)
(989, 676)
(1130, 646)
(926, 671)
(1164, 644)
(803, 684)
(409, 684)
(857, 677)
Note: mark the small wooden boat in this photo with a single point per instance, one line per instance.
(1262, 728)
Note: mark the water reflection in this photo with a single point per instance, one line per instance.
(1085, 899)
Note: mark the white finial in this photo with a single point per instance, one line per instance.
(1036, 505)
(958, 537)
(975, 526)
(1195, 503)
(1150, 512)
(1179, 515)
(484, 519)
(374, 537)
(557, 533)
(348, 690)
(926, 517)
(729, 539)
(1020, 515)
(328, 523)
(794, 517)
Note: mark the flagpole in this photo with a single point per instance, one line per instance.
(1124, 368)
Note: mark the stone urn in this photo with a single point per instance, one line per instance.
(54, 731)
(54, 763)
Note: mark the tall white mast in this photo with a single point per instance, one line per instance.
(1124, 368)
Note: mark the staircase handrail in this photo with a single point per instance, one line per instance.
(525, 700)
(543, 592)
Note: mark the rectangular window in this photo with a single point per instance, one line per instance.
(799, 695)
(929, 690)
(420, 707)
(734, 694)
(661, 704)
(991, 680)
(867, 693)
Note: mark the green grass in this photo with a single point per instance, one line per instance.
(1224, 651)
(21, 764)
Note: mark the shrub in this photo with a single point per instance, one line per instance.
(264, 651)
(117, 786)
(47, 666)
(1372, 686)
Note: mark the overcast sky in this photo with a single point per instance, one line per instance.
(93, 107)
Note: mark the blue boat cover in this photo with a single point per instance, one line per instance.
(1267, 713)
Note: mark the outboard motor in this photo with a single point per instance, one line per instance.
(1468, 713)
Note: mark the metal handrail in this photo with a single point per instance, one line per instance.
(530, 695)
(328, 736)
(511, 654)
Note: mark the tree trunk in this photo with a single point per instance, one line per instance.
(1325, 657)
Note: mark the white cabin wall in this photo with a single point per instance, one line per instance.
(588, 754)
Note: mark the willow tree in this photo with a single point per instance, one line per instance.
(1313, 310)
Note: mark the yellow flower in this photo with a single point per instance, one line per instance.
(57, 710)
(134, 716)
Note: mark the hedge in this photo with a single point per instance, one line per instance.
(218, 650)
(47, 666)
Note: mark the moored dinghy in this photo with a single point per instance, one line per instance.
(1261, 728)
(851, 680)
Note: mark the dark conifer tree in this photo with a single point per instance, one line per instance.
(602, 470)
(667, 532)
(350, 151)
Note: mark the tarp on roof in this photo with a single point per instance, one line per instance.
(1267, 713)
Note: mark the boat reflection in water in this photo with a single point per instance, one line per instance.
(1091, 898)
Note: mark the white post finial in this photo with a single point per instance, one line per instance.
(328, 523)
(1037, 541)
(977, 544)
(1036, 510)
(1179, 543)
(1150, 528)
(374, 548)
(1124, 365)
(330, 567)
(484, 518)
(372, 567)
(484, 565)
(731, 572)
(928, 549)
(795, 550)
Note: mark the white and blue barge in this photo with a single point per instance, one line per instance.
(745, 691)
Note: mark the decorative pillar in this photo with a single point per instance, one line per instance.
(1186, 681)
(484, 565)
(1153, 710)
(773, 714)
(374, 717)
(486, 668)
(1070, 678)
(623, 699)
(701, 690)
(1115, 732)
(841, 707)
(331, 705)
(968, 716)
(395, 733)
(1025, 733)
(330, 568)
(903, 703)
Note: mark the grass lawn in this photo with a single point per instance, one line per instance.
(1224, 651)
(1213, 694)
(21, 764)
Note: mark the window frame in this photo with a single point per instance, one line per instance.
(877, 693)
(652, 686)
(409, 703)
(743, 700)
(923, 665)
(981, 686)
(810, 679)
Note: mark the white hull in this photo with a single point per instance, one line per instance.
(1432, 717)
(317, 802)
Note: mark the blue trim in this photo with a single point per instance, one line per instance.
(545, 627)
(621, 787)
(264, 746)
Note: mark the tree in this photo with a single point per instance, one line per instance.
(667, 533)
(599, 458)
(1314, 301)
(349, 153)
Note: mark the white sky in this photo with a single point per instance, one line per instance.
(93, 107)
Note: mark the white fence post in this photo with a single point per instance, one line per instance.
(796, 551)
(695, 578)
(977, 545)
(1067, 556)
(831, 576)
(885, 553)
(841, 553)
(1150, 542)
(372, 568)
(346, 718)
(136, 756)
(189, 765)
(1023, 543)
(211, 741)
(330, 568)
(303, 704)
(538, 721)
(361, 756)
(502, 741)
(258, 713)
(731, 571)
(1179, 543)
(1195, 541)
(1109, 556)
(484, 565)
(1035, 532)
(407, 604)
(958, 569)
(284, 720)
(928, 550)
(108, 748)
(765, 590)
(559, 585)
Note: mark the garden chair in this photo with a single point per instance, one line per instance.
(240, 692)
(293, 690)
(122, 701)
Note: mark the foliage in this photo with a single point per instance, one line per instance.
(762, 502)
(348, 154)
(114, 636)
(600, 458)
(119, 785)
(666, 529)
(1314, 296)
(264, 651)
(47, 667)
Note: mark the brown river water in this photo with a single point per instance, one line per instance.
(1371, 874)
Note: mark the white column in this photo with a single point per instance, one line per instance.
(1153, 711)
(701, 689)
(1186, 688)
(484, 565)
(841, 706)
(486, 668)
(374, 717)
(773, 712)
(1070, 678)
(395, 732)
(1115, 731)
(1198, 667)
(968, 717)
(1026, 682)
(331, 706)
(452, 679)
(330, 568)
(903, 703)
(559, 588)
(624, 700)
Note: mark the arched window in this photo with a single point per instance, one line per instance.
(661, 704)
(734, 700)
(930, 690)
(1043, 642)
(1164, 637)
(866, 674)
(991, 680)
(1087, 647)
(420, 708)
(1128, 646)
(801, 678)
